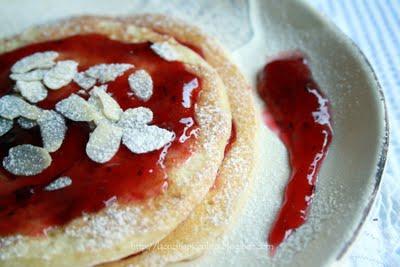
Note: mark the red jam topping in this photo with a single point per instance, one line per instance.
(26, 208)
(300, 114)
(231, 140)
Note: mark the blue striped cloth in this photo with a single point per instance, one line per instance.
(375, 26)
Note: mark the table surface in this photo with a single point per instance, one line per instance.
(374, 25)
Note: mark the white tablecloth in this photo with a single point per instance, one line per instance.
(375, 26)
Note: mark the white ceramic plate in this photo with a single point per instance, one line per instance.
(254, 31)
(350, 176)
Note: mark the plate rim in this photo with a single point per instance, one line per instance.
(384, 130)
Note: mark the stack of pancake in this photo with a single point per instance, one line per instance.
(204, 193)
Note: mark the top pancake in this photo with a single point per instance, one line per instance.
(120, 230)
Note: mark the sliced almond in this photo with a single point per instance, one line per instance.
(107, 72)
(33, 91)
(141, 84)
(34, 75)
(84, 81)
(61, 74)
(146, 139)
(75, 108)
(12, 107)
(5, 126)
(104, 142)
(52, 129)
(59, 183)
(165, 51)
(109, 107)
(97, 108)
(135, 117)
(25, 123)
(39, 60)
(26, 160)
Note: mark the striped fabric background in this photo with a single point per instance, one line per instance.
(375, 26)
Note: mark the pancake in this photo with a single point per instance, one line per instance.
(217, 212)
(121, 229)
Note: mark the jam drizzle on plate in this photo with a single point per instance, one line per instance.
(26, 207)
(299, 113)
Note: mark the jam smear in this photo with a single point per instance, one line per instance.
(26, 208)
(299, 113)
(231, 140)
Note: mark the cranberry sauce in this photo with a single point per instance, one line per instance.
(26, 208)
(300, 114)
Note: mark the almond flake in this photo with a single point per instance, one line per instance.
(104, 142)
(25, 123)
(141, 84)
(146, 139)
(109, 106)
(61, 74)
(84, 81)
(59, 183)
(39, 60)
(5, 126)
(34, 75)
(96, 105)
(135, 117)
(12, 107)
(165, 51)
(52, 128)
(107, 72)
(33, 91)
(75, 108)
(26, 160)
